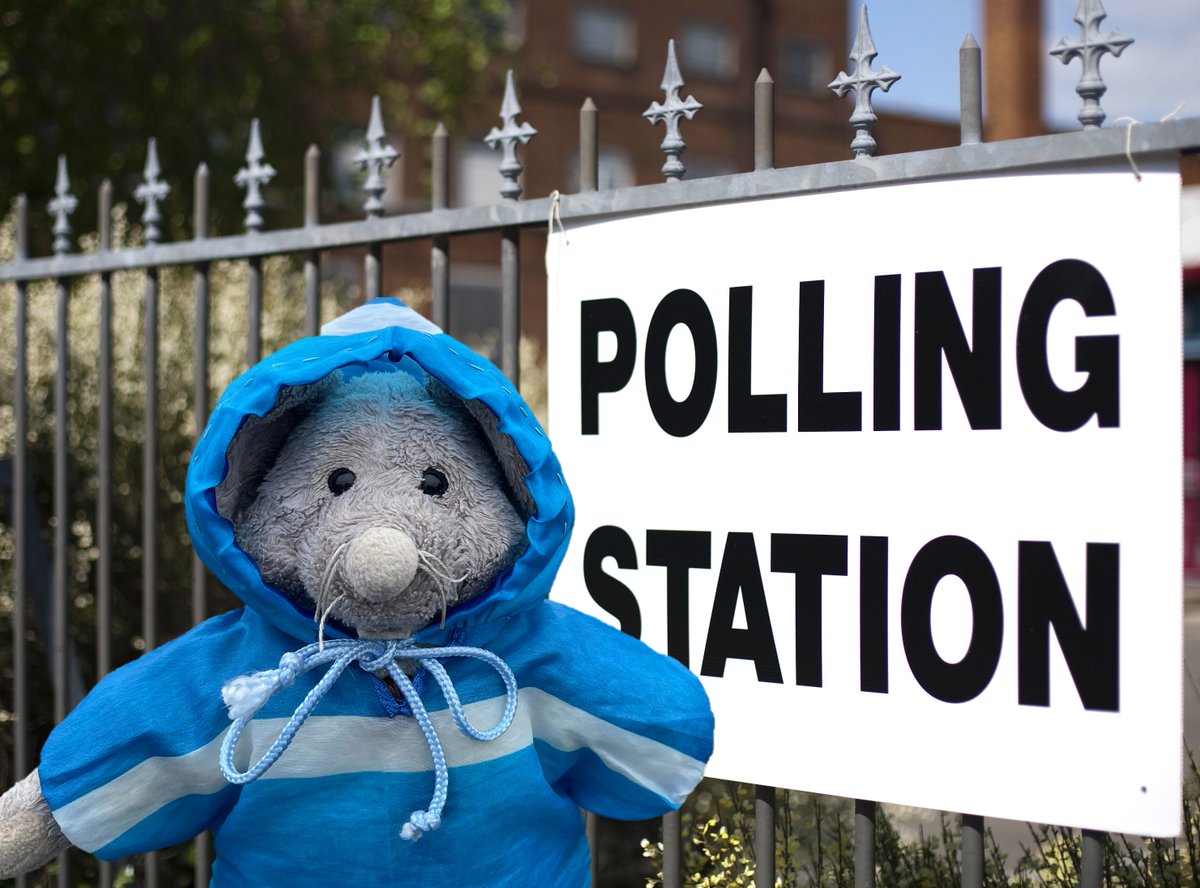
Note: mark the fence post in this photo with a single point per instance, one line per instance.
(150, 192)
(312, 259)
(764, 796)
(764, 836)
(439, 259)
(510, 244)
(764, 122)
(377, 156)
(864, 844)
(20, 493)
(672, 837)
(972, 851)
(1091, 864)
(970, 92)
(61, 207)
(104, 470)
(589, 146)
(200, 290)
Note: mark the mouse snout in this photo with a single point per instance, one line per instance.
(380, 563)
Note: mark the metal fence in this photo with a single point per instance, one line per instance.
(439, 225)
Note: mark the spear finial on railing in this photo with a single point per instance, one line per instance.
(252, 177)
(62, 206)
(150, 192)
(374, 158)
(1089, 49)
(508, 137)
(863, 82)
(669, 112)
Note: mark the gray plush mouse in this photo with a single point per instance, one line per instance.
(393, 516)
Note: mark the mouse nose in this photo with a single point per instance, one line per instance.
(380, 563)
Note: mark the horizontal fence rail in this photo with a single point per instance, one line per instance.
(1115, 146)
(441, 224)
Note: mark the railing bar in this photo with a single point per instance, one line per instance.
(672, 839)
(20, 494)
(589, 146)
(150, 498)
(970, 92)
(104, 426)
(764, 836)
(764, 122)
(510, 304)
(864, 844)
(312, 259)
(200, 294)
(200, 291)
(378, 156)
(439, 259)
(150, 464)
(62, 527)
(373, 270)
(593, 839)
(972, 851)
(62, 504)
(1091, 864)
(104, 432)
(254, 311)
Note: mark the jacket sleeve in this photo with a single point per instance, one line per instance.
(133, 767)
(619, 728)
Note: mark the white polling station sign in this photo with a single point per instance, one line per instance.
(897, 471)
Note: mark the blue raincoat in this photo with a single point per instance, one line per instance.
(602, 722)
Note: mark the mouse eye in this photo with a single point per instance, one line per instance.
(341, 480)
(433, 482)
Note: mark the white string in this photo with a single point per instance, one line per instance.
(555, 215)
(1130, 123)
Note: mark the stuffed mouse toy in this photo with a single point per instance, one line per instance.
(407, 706)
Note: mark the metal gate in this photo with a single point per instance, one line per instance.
(504, 220)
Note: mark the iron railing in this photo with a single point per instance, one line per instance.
(440, 224)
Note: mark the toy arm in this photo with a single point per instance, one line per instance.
(623, 730)
(29, 835)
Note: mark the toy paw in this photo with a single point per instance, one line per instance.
(27, 840)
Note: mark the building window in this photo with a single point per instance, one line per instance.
(605, 35)
(709, 51)
(804, 66)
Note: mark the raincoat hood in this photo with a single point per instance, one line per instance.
(259, 408)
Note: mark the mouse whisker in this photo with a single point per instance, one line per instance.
(327, 577)
(321, 625)
(437, 569)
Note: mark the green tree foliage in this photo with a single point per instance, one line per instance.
(93, 79)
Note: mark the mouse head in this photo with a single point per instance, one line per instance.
(376, 501)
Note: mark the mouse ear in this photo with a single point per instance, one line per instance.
(258, 441)
(512, 464)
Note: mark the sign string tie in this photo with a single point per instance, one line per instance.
(555, 215)
(1130, 123)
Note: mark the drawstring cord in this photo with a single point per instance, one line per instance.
(246, 694)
